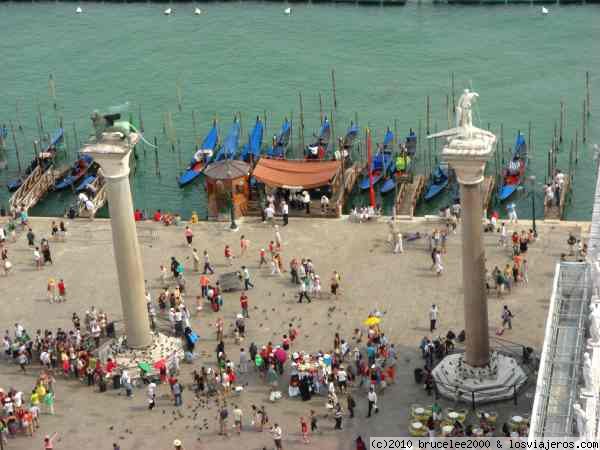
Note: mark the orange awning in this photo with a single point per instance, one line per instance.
(296, 174)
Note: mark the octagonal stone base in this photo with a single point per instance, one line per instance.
(496, 381)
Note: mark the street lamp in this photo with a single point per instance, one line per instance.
(532, 180)
(233, 225)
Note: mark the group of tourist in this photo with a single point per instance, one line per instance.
(554, 189)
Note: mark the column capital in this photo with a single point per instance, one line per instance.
(468, 155)
(112, 153)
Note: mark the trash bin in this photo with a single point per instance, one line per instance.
(418, 376)
(116, 379)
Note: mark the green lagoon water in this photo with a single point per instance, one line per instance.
(249, 57)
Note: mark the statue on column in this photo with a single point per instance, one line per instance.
(581, 419)
(464, 116)
(587, 372)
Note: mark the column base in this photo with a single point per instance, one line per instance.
(162, 347)
(457, 380)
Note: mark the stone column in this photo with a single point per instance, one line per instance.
(477, 348)
(114, 160)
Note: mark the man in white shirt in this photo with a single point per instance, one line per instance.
(503, 235)
(324, 204)
(270, 213)
(285, 210)
(433, 317)
(306, 201)
(277, 435)
(372, 397)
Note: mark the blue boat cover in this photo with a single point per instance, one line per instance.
(381, 162)
(254, 142)
(71, 178)
(388, 138)
(438, 182)
(57, 137)
(211, 139)
(230, 146)
(325, 131)
(278, 151)
(84, 184)
(351, 135)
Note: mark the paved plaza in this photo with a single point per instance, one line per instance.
(402, 286)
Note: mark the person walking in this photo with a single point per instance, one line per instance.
(351, 404)
(439, 268)
(335, 283)
(338, 417)
(398, 245)
(244, 305)
(246, 275)
(196, 258)
(62, 291)
(228, 255)
(433, 317)
(302, 292)
(285, 211)
(314, 426)
(207, 266)
(372, 398)
(37, 258)
(189, 235)
(304, 430)
(263, 258)
(30, 237)
(507, 317)
(49, 441)
(503, 235)
(177, 389)
(511, 208)
(237, 418)
(244, 244)
(277, 434)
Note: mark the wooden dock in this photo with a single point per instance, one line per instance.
(34, 188)
(408, 196)
(557, 212)
(99, 199)
(489, 187)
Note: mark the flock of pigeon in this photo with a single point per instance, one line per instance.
(197, 11)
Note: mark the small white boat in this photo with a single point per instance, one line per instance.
(78, 10)
(197, 11)
(168, 11)
(545, 10)
(287, 11)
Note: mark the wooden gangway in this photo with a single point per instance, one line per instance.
(99, 199)
(554, 211)
(408, 196)
(35, 187)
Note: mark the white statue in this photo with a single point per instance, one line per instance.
(595, 324)
(464, 117)
(581, 419)
(587, 372)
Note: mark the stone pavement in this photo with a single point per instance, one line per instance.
(402, 286)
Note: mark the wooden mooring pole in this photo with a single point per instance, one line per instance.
(588, 94)
(156, 165)
(321, 108)
(584, 124)
(335, 105)
(301, 128)
(576, 146)
(14, 136)
(562, 122)
(452, 91)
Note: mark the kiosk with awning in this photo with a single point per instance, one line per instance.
(300, 175)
